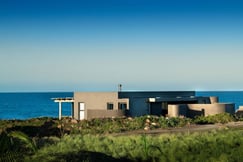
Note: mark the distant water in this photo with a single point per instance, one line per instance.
(225, 96)
(31, 105)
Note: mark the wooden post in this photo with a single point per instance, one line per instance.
(60, 110)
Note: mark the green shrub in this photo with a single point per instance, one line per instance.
(11, 148)
(117, 125)
(212, 119)
(25, 140)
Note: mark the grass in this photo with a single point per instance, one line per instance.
(226, 145)
(47, 139)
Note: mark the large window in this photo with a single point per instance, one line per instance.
(110, 106)
(122, 106)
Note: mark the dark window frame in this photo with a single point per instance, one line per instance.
(110, 106)
(122, 105)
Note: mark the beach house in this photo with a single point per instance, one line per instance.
(88, 105)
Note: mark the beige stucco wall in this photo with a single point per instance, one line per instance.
(173, 110)
(97, 102)
(240, 108)
(200, 109)
(213, 99)
(212, 109)
(239, 111)
(104, 113)
(177, 110)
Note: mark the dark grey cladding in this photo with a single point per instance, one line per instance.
(154, 94)
(139, 103)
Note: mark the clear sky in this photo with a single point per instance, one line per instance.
(93, 45)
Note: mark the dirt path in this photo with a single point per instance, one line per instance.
(186, 129)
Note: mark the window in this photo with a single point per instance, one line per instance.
(122, 106)
(110, 106)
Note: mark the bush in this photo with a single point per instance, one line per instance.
(212, 119)
(117, 125)
(13, 148)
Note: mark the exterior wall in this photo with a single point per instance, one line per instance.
(139, 106)
(96, 104)
(154, 94)
(138, 101)
(239, 112)
(213, 99)
(177, 110)
(192, 110)
(240, 108)
(173, 110)
(104, 113)
(210, 109)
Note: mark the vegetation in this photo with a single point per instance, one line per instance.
(212, 119)
(208, 146)
(15, 145)
(108, 125)
(48, 139)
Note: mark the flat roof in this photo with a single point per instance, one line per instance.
(177, 99)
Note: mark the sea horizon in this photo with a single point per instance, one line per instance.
(233, 90)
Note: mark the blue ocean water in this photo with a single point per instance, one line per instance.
(225, 96)
(31, 105)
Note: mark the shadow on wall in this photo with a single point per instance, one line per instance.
(183, 109)
(193, 113)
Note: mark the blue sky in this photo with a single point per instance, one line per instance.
(92, 45)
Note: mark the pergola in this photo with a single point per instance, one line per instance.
(60, 101)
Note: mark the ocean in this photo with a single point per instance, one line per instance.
(32, 105)
(225, 96)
